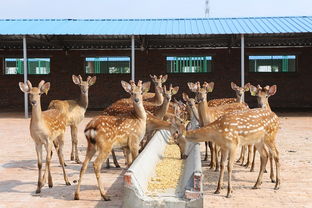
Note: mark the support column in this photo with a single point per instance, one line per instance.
(132, 58)
(242, 62)
(25, 75)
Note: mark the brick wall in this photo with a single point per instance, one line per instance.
(294, 89)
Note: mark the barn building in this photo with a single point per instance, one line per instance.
(259, 50)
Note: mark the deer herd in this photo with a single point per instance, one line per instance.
(129, 124)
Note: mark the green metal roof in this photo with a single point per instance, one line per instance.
(196, 26)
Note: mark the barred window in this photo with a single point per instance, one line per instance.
(189, 64)
(35, 65)
(276, 63)
(107, 65)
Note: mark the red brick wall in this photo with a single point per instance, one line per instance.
(294, 89)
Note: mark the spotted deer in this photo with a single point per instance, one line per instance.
(46, 128)
(258, 127)
(209, 114)
(192, 112)
(263, 95)
(239, 91)
(157, 97)
(75, 111)
(106, 132)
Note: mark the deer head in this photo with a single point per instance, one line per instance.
(35, 92)
(240, 90)
(201, 92)
(171, 91)
(159, 81)
(136, 91)
(178, 130)
(263, 94)
(84, 85)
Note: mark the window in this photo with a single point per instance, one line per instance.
(35, 65)
(189, 64)
(107, 65)
(276, 63)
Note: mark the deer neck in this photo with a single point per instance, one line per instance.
(83, 100)
(36, 114)
(139, 110)
(204, 113)
(201, 135)
(158, 98)
(239, 98)
(163, 109)
(266, 106)
(154, 123)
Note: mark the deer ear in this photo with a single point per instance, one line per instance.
(146, 87)
(185, 97)
(192, 86)
(175, 90)
(233, 86)
(24, 87)
(247, 87)
(92, 81)
(152, 77)
(253, 90)
(126, 86)
(76, 80)
(164, 78)
(45, 88)
(210, 86)
(272, 90)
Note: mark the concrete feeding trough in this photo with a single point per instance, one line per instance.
(189, 190)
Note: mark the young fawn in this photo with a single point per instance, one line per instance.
(105, 132)
(75, 111)
(46, 128)
(256, 126)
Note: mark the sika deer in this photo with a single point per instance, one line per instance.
(256, 126)
(263, 95)
(75, 111)
(239, 96)
(209, 114)
(105, 132)
(157, 97)
(46, 128)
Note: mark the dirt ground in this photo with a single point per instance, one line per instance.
(18, 172)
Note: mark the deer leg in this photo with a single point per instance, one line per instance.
(61, 157)
(249, 156)
(244, 154)
(74, 154)
(90, 152)
(213, 156)
(48, 161)
(107, 163)
(39, 163)
(252, 169)
(224, 156)
(217, 149)
(134, 149)
(241, 154)
(206, 151)
(103, 154)
(232, 154)
(275, 155)
(126, 152)
(271, 167)
(263, 158)
(115, 159)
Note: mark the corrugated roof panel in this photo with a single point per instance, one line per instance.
(255, 25)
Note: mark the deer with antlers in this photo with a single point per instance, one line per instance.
(157, 97)
(105, 132)
(46, 128)
(75, 111)
(252, 126)
(209, 114)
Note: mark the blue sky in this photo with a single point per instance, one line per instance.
(151, 9)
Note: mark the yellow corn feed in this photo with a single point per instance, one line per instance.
(168, 170)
